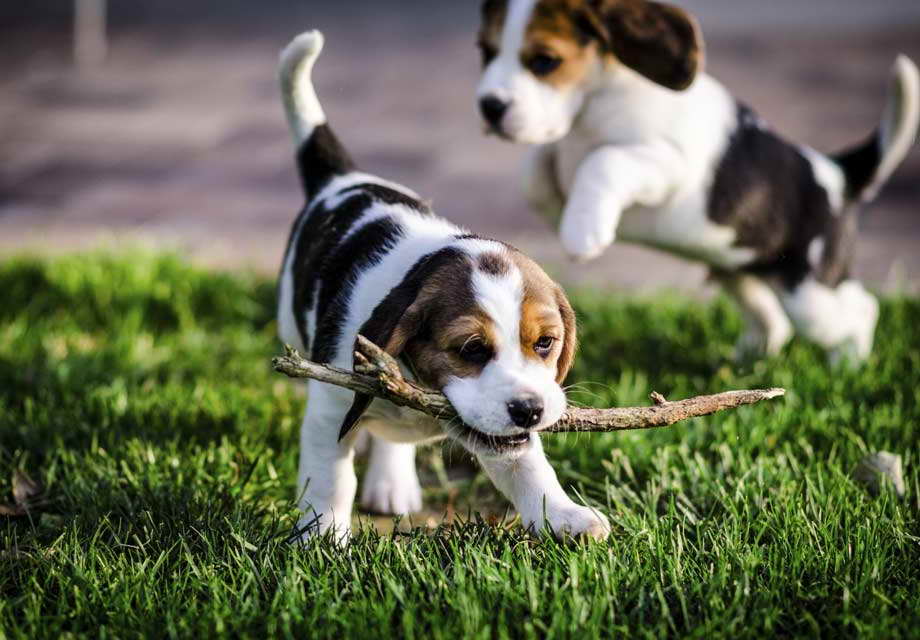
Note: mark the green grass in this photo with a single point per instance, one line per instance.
(138, 391)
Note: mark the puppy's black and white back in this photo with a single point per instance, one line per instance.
(794, 206)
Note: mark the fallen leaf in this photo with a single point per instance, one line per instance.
(25, 489)
(53, 521)
(881, 468)
(12, 511)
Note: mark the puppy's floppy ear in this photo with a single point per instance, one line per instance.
(399, 317)
(569, 340)
(659, 41)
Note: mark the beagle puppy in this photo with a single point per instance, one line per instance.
(632, 140)
(471, 317)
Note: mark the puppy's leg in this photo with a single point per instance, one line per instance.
(531, 484)
(391, 484)
(768, 327)
(609, 181)
(326, 479)
(841, 320)
(541, 184)
(863, 309)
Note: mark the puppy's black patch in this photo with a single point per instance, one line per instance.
(765, 189)
(387, 195)
(493, 264)
(391, 311)
(338, 275)
(318, 236)
(320, 158)
(859, 165)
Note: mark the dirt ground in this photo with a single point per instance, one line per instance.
(178, 139)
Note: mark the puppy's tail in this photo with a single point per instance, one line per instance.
(320, 155)
(868, 166)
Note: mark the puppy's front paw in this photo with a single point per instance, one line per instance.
(585, 236)
(310, 527)
(576, 521)
(396, 493)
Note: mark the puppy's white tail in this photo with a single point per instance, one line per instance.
(301, 104)
(320, 155)
(869, 166)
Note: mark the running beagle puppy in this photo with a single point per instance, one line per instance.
(633, 141)
(471, 317)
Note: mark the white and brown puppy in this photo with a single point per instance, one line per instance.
(471, 317)
(635, 142)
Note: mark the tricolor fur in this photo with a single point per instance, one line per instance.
(471, 317)
(635, 142)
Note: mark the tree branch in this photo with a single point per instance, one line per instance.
(377, 374)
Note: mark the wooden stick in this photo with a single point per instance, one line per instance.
(377, 373)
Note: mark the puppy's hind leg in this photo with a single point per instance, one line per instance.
(326, 478)
(768, 328)
(841, 319)
(391, 485)
(863, 308)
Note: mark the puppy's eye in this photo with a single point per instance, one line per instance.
(488, 53)
(543, 64)
(475, 352)
(544, 345)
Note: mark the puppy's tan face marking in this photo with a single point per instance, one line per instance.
(555, 48)
(559, 62)
(547, 320)
(541, 326)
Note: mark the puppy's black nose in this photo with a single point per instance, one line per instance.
(493, 110)
(526, 411)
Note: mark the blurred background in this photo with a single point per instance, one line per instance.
(160, 124)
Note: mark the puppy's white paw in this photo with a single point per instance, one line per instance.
(575, 521)
(394, 492)
(850, 354)
(309, 527)
(585, 236)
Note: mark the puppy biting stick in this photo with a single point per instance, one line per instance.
(378, 374)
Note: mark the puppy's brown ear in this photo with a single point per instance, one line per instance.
(659, 41)
(570, 340)
(399, 317)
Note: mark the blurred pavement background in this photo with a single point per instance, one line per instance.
(178, 139)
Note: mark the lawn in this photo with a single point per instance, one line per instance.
(137, 391)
